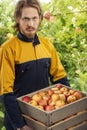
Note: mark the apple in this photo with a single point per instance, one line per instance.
(62, 97)
(71, 98)
(49, 108)
(51, 102)
(56, 107)
(54, 88)
(42, 102)
(59, 86)
(78, 95)
(60, 103)
(52, 18)
(78, 29)
(26, 99)
(50, 92)
(40, 107)
(33, 102)
(55, 97)
(46, 97)
(47, 15)
(63, 89)
(67, 94)
(71, 91)
(42, 93)
(57, 91)
(36, 97)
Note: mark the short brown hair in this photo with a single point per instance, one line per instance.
(26, 3)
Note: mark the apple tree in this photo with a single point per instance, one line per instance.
(68, 32)
(6, 19)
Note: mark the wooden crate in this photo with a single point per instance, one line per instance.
(56, 117)
(75, 122)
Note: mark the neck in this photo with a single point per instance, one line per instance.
(34, 39)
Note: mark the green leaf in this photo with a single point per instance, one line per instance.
(3, 128)
(63, 21)
(1, 114)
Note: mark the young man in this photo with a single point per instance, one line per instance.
(27, 62)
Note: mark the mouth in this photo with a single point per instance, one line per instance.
(30, 29)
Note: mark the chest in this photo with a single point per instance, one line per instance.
(28, 52)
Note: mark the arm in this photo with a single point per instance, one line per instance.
(13, 111)
(57, 71)
(7, 76)
(63, 81)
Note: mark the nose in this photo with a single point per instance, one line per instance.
(30, 22)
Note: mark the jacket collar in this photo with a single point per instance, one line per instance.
(34, 40)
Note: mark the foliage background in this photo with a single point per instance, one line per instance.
(68, 33)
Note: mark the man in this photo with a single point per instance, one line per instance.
(27, 62)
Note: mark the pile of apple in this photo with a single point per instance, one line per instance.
(53, 98)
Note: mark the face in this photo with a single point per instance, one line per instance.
(29, 21)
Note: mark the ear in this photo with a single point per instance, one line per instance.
(17, 20)
(40, 18)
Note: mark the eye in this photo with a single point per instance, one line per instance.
(25, 19)
(35, 18)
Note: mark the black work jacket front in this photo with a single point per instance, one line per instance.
(26, 66)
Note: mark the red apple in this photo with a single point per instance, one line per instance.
(50, 92)
(47, 15)
(55, 97)
(42, 93)
(60, 103)
(57, 91)
(62, 97)
(42, 102)
(51, 102)
(49, 108)
(78, 29)
(26, 99)
(64, 89)
(40, 107)
(71, 98)
(59, 86)
(78, 95)
(33, 102)
(67, 94)
(36, 97)
(71, 91)
(46, 97)
(54, 88)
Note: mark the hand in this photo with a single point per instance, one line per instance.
(26, 128)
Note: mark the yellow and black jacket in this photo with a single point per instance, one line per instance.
(26, 65)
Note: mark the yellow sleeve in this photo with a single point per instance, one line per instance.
(57, 70)
(7, 72)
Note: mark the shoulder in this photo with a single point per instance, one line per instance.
(46, 41)
(9, 47)
(9, 43)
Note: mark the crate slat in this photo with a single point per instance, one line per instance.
(76, 122)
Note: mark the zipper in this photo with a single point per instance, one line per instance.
(36, 66)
